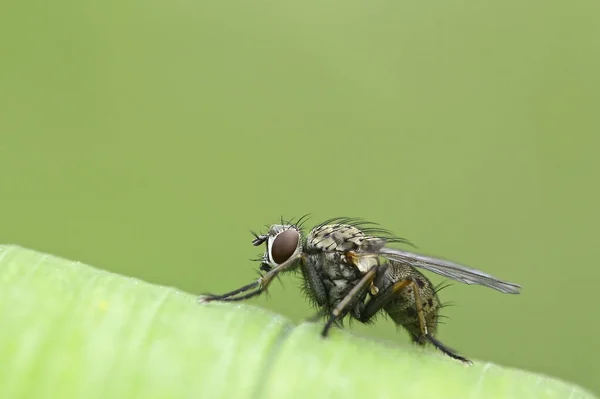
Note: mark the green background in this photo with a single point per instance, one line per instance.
(148, 137)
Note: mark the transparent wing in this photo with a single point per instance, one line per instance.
(450, 269)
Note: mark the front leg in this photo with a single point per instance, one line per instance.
(259, 285)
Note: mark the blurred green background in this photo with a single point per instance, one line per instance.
(148, 137)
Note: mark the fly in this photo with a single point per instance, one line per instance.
(349, 269)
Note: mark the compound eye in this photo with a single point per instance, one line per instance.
(284, 245)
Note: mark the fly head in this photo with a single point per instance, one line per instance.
(282, 241)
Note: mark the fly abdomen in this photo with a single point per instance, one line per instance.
(410, 292)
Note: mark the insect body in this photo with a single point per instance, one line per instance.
(348, 269)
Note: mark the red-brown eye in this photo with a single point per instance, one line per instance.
(284, 245)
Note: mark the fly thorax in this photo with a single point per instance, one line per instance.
(362, 261)
(334, 268)
(335, 237)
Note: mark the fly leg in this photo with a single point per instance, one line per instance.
(259, 286)
(375, 304)
(342, 307)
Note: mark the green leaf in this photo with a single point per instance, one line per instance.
(72, 331)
